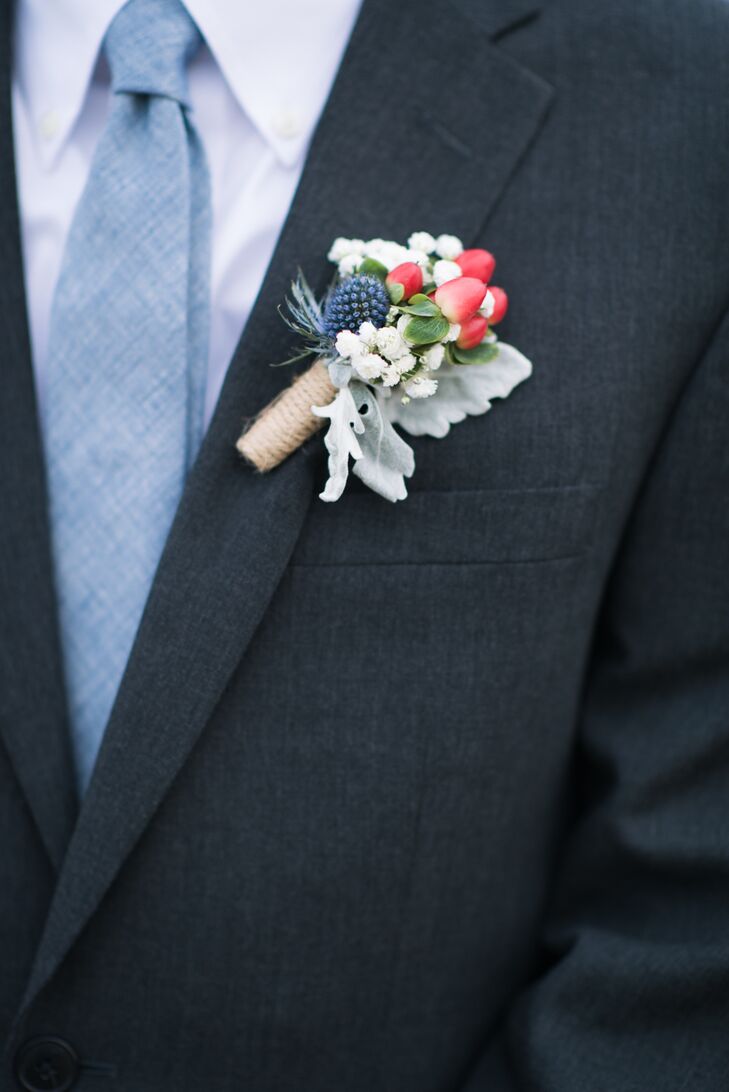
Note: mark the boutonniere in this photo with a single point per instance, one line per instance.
(404, 337)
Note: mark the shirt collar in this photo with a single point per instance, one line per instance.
(279, 58)
(56, 47)
(279, 77)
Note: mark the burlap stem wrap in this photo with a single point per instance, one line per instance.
(287, 422)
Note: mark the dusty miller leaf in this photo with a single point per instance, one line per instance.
(340, 440)
(339, 373)
(462, 392)
(386, 458)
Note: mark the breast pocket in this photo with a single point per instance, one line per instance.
(450, 527)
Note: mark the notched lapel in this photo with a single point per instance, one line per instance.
(386, 160)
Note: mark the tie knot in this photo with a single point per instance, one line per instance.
(148, 46)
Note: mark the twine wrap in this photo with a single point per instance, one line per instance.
(287, 422)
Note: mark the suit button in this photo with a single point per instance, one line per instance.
(46, 1065)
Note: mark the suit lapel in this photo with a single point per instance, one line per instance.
(382, 163)
(32, 702)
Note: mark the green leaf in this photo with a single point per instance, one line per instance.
(371, 265)
(395, 292)
(421, 305)
(480, 354)
(424, 331)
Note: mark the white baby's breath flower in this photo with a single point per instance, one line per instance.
(419, 257)
(392, 315)
(420, 387)
(369, 366)
(373, 248)
(453, 332)
(391, 375)
(341, 247)
(422, 240)
(338, 249)
(348, 344)
(448, 246)
(444, 271)
(406, 363)
(433, 357)
(385, 251)
(396, 256)
(390, 342)
(368, 334)
(396, 369)
(348, 264)
(487, 307)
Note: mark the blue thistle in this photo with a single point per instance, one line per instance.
(360, 298)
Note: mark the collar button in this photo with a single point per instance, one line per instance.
(49, 124)
(287, 124)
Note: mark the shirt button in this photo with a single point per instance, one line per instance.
(287, 124)
(46, 1065)
(49, 124)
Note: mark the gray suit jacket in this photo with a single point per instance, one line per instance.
(429, 797)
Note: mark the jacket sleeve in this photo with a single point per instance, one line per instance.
(635, 997)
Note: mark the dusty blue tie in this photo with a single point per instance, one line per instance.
(127, 357)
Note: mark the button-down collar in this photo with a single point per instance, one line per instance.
(268, 53)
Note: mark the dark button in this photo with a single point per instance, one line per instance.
(46, 1065)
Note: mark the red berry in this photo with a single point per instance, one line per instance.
(409, 275)
(461, 298)
(477, 263)
(472, 333)
(501, 304)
